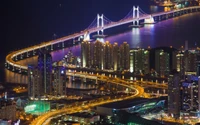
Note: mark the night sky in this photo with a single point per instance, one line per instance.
(28, 22)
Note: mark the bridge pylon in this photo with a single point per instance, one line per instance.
(100, 23)
(136, 15)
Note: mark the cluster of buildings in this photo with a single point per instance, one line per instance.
(102, 56)
(44, 79)
(71, 60)
(8, 112)
(106, 56)
(183, 96)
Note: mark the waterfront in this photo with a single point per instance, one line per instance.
(172, 32)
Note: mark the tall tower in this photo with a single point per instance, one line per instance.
(125, 56)
(162, 62)
(59, 81)
(35, 87)
(174, 94)
(180, 62)
(86, 55)
(98, 55)
(116, 56)
(45, 67)
(108, 55)
(139, 61)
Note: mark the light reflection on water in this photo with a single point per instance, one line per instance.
(166, 33)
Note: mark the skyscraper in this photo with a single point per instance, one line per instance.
(45, 67)
(59, 81)
(125, 55)
(139, 61)
(116, 57)
(174, 94)
(190, 94)
(162, 62)
(98, 55)
(86, 55)
(180, 63)
(108, 55)
(39, 77)
(35, 86)
(190, 60)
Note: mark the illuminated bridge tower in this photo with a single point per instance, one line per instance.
(100, 23)
(136, 15)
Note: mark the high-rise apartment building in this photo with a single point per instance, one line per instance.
(98, 55)
(162, 62)
(190, 60)
(116, 57)
(40, 77)
(190, 94)
(180, 64)
(139, 61)
(108, 55)
(125, 55)
(45, 67)
(86, 55)
(35, 86)
(174, 94)
(59, 81)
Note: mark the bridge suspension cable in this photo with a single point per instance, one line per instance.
(129, 15)
(108, 20)
(93, 24)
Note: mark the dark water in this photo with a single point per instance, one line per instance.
(29, 23)
(172, 32)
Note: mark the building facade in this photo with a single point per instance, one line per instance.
(162, 62)
(139, 61)
(191, 94)
(180, 63)
(125, 55)
(35, 86)
(7, 110)
(59, 81)
(108, 55)
(86, 55)
(45, 67)
(40, 77)
(174, 97)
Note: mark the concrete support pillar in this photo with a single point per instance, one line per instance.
(51, 46)
(27, 54)
(63, 44)
(33, 52)
(73, 77)
(96, 81)
(84, 79)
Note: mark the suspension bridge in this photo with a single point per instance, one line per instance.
(98, 25)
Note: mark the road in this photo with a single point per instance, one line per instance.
(138, 91)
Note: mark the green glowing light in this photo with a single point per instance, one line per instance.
(37, 107)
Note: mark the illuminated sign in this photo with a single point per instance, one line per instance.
(30, 108)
